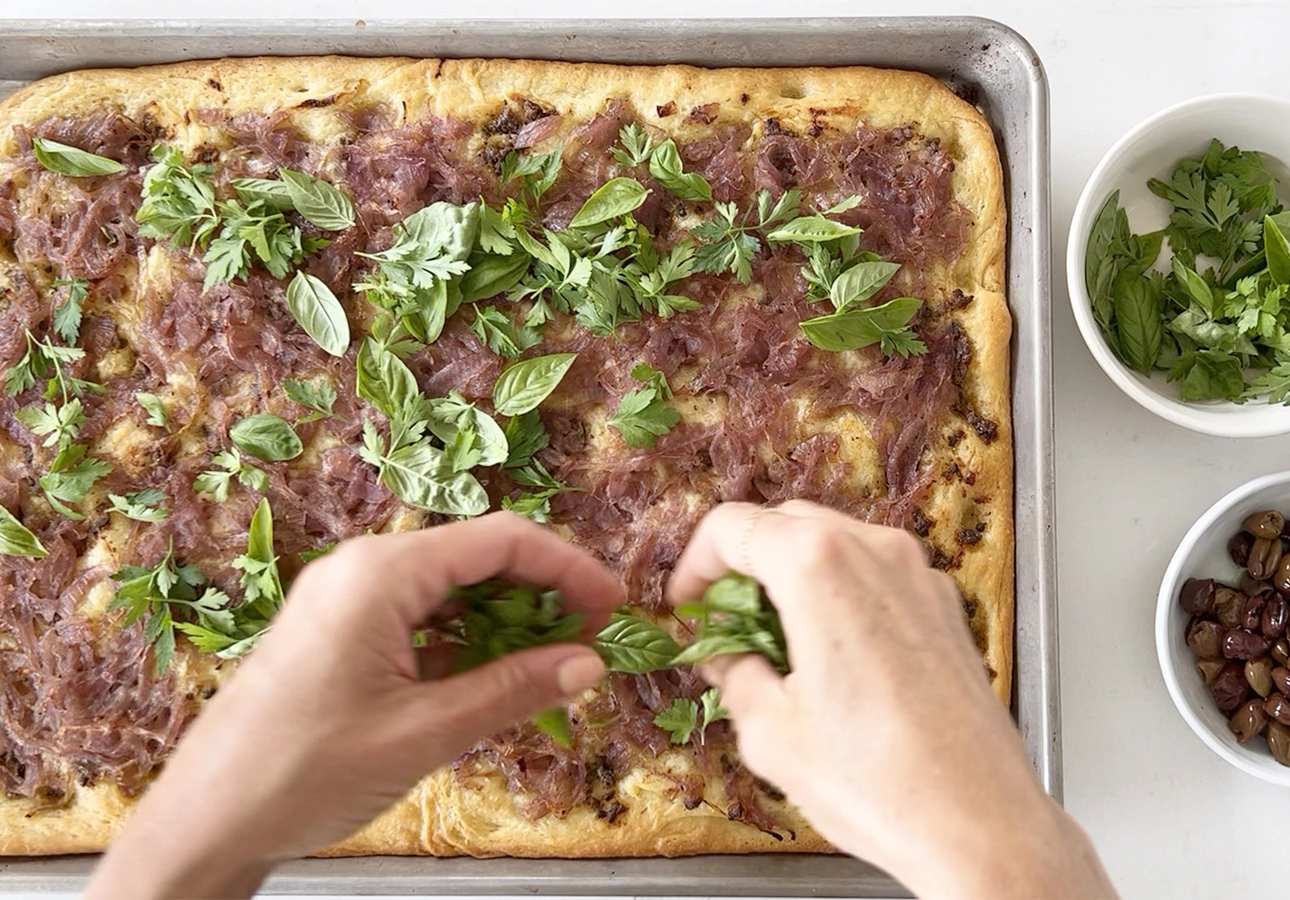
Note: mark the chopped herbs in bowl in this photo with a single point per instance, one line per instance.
(1178, 265)
(1218, 319)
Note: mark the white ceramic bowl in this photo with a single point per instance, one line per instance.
(1203, 554)
(1151, 150)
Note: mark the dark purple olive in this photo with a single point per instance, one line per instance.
(1258, 674)
(1278, 737)
(1205, 638)
(1238, 548)
(1197, 596)
(1281, 651)
(1278, 707)
(1241, 644)
(1273, 620)
(1281, 679)
(1228, 606)
(1248, 721)
(1230, 689)
(1252, 612)
(1208, 669)
(1266, 524)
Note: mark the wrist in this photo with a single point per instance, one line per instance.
(1020, 847)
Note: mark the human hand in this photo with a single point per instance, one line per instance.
(328, 721)
(886, 734)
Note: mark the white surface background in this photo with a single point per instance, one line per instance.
(1169, 817)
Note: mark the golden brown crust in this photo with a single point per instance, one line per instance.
(442, 816)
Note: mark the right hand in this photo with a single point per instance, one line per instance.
(886, 734)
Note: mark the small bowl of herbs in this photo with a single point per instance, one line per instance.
(1178, 265)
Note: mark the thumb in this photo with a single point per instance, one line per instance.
(509, 689)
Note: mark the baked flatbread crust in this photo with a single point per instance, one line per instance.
(441, 816)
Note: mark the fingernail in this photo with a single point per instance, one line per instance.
(579, 673)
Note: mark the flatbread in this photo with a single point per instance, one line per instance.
(966, 517)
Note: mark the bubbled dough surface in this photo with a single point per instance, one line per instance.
(441, 816)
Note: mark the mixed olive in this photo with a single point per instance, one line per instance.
(1239, 633)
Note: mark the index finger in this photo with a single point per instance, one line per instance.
(424, 566)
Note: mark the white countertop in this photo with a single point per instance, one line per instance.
(1169, 817)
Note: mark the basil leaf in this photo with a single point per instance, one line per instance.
(1138, 323)
(734, 593)
(384, 380)
(860, 282)
(1195, 286)
(1278, 251)
(271, 191)
(665, 165)
(321, 203)
(72, 161)
(632, 644)
(266, 437)
(492, 274)
(421, 475)
(811, 230)
(1208, 375)
(16, 540)
(616, 197)
(319, 313)
(856, 328)
(527, 383)
(1100, 236)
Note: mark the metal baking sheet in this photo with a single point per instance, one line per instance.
(984, 61)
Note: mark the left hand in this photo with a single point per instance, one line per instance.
(328, 721)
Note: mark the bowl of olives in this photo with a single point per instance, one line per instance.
(1221, 628)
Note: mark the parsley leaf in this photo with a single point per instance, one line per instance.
(643, 415)
(537, 171)
(153, 592)
(217, 483)
(70, 477)
(317, 396)
(728, 239)
(681, 719)
(178, 201)
(685, 718)
(47, 361)
(142, 506)
(59, 425)
(67, 315)
(637, 146)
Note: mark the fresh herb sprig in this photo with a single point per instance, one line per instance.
(734, 616)
(1217, 322)
(218, 482)
(643, 415)
(68, 313)
(685, 718)
(499, 618)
